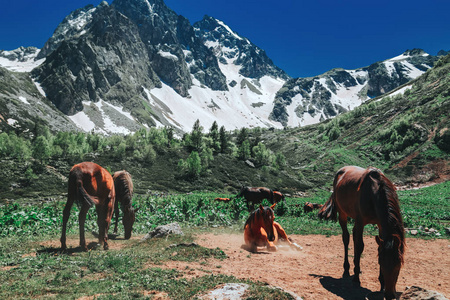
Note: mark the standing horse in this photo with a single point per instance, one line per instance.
(90, 184)
(255, 195)
(261, 230)
(124, 192)
(367, 196)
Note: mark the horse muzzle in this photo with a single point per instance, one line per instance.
(271, 237)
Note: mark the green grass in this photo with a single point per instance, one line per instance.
(427, 207)
(29, 270)
(32, 271)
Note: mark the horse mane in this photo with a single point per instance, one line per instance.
(394, 217)
(124, 187)
(256, 213)
(395, 220)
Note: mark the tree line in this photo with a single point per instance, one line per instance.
(199, 147)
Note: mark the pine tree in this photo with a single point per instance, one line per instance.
(223, 139)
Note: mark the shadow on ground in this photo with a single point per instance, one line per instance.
(342, 287)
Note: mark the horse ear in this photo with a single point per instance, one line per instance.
(273, 205)
(378, 240)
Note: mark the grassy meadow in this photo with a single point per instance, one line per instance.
(30, 270)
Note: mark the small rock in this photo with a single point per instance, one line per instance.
(249, 163)
(417, 293)
(164, 230)
(414, 232)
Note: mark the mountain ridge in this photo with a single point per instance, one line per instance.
(135, 64)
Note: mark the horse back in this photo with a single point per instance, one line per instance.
(345, 189)
(123, 186)
(351, 200)
(96, 180)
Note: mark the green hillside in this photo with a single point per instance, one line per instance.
(405, 135)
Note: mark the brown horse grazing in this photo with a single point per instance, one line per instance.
(367, 196)
(308, 206)
(261, 230)
(255, 195)
(124, 192)
(90, 184)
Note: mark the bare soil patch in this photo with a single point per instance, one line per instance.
(315, 272)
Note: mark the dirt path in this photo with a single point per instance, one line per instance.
(315, 272)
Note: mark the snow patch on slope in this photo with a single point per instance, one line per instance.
(95, 117)
(20, 66)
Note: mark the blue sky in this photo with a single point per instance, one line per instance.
(304, 38)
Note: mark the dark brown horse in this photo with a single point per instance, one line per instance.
(124, 192)
(367, 196)
(89, 185)
(255, 195)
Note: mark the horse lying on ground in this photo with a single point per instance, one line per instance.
(367, 196)
(124, 192)
(261, 230)
(255, 195)
(222, 199)
(308, 206)
(89, 185)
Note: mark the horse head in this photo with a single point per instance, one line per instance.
(129, 216)
(267, 219)
(390, 260)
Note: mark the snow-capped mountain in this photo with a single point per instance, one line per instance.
(21, 59)
(141, 60)
(304, 101)
(136, 63)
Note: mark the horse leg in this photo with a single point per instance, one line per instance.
(345, 240)
(101, 219)
(280, 231)
(270, 245)
(82, 219)
(66, 214)
(359, 248)
(104, 221)
(116, 216)
(381, 280)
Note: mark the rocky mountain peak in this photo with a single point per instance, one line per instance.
(230, 47)
(71, 26)
(414, 52)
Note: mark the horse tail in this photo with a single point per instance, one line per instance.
(241, 192)
(328, 210)
(84, 196)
